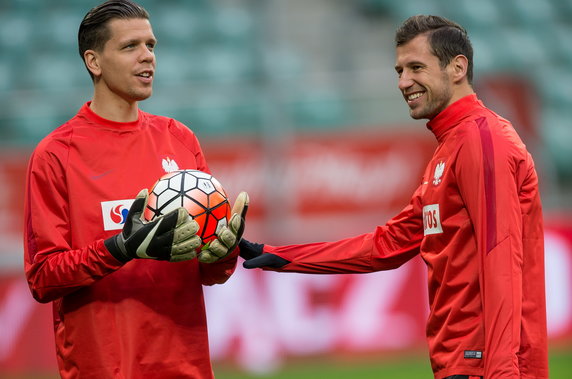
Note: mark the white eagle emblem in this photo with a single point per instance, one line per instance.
(438, 173)
(169, 165)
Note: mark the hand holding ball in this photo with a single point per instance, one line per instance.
(199, 193)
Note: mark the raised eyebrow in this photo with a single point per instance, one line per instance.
(409, 64)
(415, 63)
(136, 41)
(129, 42)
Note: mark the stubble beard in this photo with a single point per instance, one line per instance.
(433, 106)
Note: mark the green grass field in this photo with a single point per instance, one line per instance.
(414, 366)
(410, 366)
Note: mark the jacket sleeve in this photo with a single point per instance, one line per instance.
(533, 353)
(486, 168)
(53, 269)
(220, 271)
(387, 247)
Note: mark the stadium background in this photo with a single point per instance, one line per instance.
(296, 102)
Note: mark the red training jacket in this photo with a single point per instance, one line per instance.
(142, 319)
(476, 220)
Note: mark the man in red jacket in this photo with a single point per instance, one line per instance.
(476, 220)
(127, 294)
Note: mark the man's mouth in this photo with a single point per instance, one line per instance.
(145, 74)
(413, 96)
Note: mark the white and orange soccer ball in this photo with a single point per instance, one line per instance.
(199, 193)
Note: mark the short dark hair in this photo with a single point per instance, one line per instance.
(446, 38)
(94, 32)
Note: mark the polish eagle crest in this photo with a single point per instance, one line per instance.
(169, 165)
(439, 169)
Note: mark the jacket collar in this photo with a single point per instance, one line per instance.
(450, 117)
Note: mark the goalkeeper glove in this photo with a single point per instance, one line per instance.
(171, 237)
(254, 256)
(229, 236)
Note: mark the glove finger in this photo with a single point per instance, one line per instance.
(167, 223)
(187, 246)
(226, 237)
(183, 257)
(163, 234)
(239, 211)
(135, 214)
(236, 223)
(179, 215)
(216, 248)
(265, 260)
(186, 230)
(205, 256)
(183, 217)
(241, 204)
(140, 202)
(177, 224)
(149, 240)
(163, 248)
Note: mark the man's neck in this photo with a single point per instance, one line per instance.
(460, 92)
(115, 110)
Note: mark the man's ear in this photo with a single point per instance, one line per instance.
(91, 59)
(459, 66)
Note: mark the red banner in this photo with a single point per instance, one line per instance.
(303, 189)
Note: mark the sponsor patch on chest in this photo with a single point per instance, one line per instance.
(431, 220)
(115, 213)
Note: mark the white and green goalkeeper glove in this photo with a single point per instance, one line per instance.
(171, 237)
(229, 236)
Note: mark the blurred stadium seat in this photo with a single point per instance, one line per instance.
(228, 46)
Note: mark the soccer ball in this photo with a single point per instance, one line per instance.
(198, 192)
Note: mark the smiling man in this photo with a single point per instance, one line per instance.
(122, 307)
(475, 219)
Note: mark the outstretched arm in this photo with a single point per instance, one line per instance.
(386, 248)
